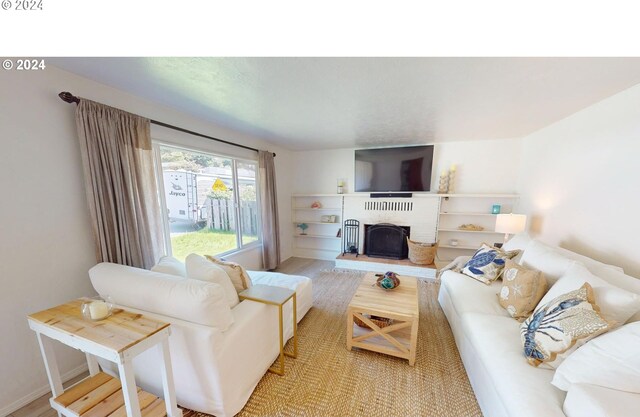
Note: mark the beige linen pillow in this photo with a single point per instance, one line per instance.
(521, 291)
(549, 335)
(239, 277)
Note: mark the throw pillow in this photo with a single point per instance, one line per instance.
(610, 361)
(545, 259)
(616, 305)
(239, 277)
(521, 291)
(170, 265)
(202, 269)
(555, 327)
(487, 263)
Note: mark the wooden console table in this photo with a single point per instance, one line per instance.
(401, 305)
(118, 338)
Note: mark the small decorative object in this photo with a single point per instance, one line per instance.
(453, 242)
(341, 184)
(452, 178)
(303, 227)
(351, 237)
(495, 209)
(388, 281)
(443, 185)
(471, 227)
(378, 321)
(339, 234)
(96, 308)
(334, 218)
(325, 219)
(316, 205)
(422, 253)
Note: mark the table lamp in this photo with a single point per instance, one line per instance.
(510, 224)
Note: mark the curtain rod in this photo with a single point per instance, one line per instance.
(70, 98)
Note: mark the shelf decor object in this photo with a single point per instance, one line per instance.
(495, 209)
(303, 227)
(471, 227)
(316, 205)
(341, 185)
(443, 184)
(510, 224)
(351, 237)
(96, 308)
(452, 180)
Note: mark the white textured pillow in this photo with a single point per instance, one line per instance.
(202, 269)
(545, 259)
(518, 242)
(610, 361)
(170, 265)
(616, 305)
(185, 299)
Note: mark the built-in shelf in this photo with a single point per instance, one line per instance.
(467, 247)
(302, 221)
(318, 236)
(466, 214)
(469, 231)
(318, 209)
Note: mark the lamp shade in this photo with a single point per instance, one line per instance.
(510, 223)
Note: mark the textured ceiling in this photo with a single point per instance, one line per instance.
(319, 103)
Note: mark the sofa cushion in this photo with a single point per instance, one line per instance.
(518, 242)
(487, 263)
(521, 290)
(593, 401)
(525, 391)
(545, 259)
(203, 269)
(185, 299)
(616, 305)
(471, 296)
(554, 328)
(301, 285)
(238, 275)
(170, 265)
(609, 361)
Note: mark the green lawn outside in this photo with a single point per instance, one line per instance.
(205, 242)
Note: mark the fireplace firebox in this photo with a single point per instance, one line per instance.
(384, 240)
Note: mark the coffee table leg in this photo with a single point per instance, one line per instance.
(414, 342)
(349, 328)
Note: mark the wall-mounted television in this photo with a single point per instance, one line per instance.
(394, 169)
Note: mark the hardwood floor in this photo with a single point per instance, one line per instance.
(292, 266)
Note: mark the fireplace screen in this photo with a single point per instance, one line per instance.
(385, 240)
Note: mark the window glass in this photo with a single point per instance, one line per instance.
(248, 201)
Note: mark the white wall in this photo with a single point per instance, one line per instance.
(487, 166)
(46, 245)
(580, 182)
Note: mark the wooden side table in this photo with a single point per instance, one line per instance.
(118, 338)
(400, 305)
(276, 296)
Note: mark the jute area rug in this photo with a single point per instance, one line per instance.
(328, 380)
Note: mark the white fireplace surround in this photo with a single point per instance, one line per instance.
(419, 212)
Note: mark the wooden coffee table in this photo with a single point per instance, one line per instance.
(400, 304)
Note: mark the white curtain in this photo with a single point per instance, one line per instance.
(269, 211)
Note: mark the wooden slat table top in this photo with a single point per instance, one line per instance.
(118, 332)
(401, 301)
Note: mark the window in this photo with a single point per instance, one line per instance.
(210, 201)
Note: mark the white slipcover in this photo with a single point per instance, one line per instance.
(592, 401)
(215, 371)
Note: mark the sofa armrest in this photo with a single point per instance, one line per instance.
(595, 401)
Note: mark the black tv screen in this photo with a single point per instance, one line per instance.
(394, 169)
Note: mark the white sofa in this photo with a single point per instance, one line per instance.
(488, 340)
(218, 353)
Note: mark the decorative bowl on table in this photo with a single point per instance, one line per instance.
(96, 308)
(388, 281)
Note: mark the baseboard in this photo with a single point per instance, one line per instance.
(16, 405)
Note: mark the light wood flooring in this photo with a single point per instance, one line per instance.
(293, 266)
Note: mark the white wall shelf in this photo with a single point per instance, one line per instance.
(321, 240)
(469, 231)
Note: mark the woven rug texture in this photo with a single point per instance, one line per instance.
(328, 380)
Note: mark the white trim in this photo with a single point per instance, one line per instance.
(29, 398)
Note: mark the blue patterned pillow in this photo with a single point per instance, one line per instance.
(487, 263)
